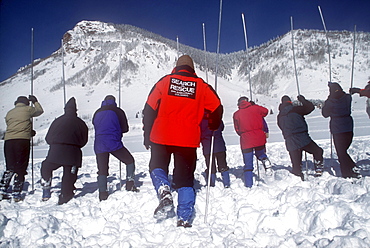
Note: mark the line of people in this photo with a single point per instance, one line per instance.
(181, 112)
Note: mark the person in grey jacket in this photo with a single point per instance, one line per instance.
(293, 125)
(338, 108)
(17, 144)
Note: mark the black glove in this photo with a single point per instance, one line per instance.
(147, 141)
(301, 98)
(354, 90)
(253, 103)
(33, 133)
(32, 98)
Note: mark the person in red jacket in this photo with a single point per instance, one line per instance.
(172, 116)
(248, 124)
(363, 92)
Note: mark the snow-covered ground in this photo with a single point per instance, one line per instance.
(278, 211)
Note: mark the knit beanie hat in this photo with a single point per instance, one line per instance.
(286, 98)
(110, 97)
(185, 60)
(22, 99)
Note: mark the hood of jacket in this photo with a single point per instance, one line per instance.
(244, 104)
(109, 102)
(71, 107)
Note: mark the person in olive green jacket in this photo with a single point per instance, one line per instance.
(17, 143)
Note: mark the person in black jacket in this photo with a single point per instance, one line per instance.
(293, 125)
(338, 108)
(66, 136)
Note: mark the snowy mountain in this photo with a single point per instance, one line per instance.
(278, 211)
(98, 57)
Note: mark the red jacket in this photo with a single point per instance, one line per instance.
(175, 108)
(248, 124)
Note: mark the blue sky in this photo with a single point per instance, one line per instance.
(265, 19)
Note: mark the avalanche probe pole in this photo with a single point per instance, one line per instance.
(353, 55)
(119, 105)
(218, 44)
(32, 118)
(205, 50)
(209, 176)
(177, 46)
(212, 138)
(63, 77)
(248, 62)
(327, 41)
(295, 67)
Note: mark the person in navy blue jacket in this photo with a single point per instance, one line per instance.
(338, 108)
(110, 123)
(219, 151)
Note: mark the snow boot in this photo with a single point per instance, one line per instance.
(103, 195)
(298, 174)
(4, 184)
(226, 178)
(17, 189)
(213, 179)
(267, 165)
(46, 194)
(161, 184)
(102, 186)
(165, 208)
(183, 223)
(248, 178)
(130, 186)
(319, 168)
(46, 185)
(64, 198)
(130, 178)
(355, 173)
(185, 207)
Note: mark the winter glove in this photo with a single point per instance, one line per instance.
(252, 103)
(32, 98)
(301, 98)
(33, 133)
(147, 141)
(354, 90)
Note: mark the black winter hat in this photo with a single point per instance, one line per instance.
(286, 98)
(22, 99)
(110, 97)
(334, 87)
(242, 98)
(71, 105)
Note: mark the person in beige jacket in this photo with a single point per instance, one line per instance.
(17, 144)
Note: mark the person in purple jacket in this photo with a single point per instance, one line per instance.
(110, 123)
